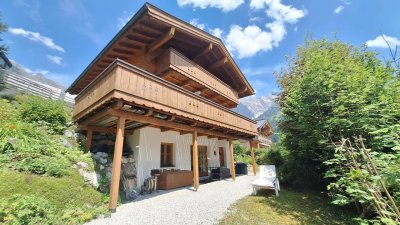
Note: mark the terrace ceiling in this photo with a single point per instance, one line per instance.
(152, 30)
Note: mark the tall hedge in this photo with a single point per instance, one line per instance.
(332, 90)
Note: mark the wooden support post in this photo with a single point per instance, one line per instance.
(116, 168)
(253, 159)
(195, 162)
(89, 137)
(232, 159)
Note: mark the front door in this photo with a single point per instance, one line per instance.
(203, 160)
(221, 157)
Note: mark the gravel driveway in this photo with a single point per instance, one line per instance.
(183, 206)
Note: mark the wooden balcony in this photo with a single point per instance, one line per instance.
(123, 81)
(175, 67)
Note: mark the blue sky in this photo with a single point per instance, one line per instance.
(60, 38)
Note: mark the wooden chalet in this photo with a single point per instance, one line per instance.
(162, 83)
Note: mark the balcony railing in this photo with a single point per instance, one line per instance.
(172, 59)
(121, 80)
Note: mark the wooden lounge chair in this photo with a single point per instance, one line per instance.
(267, 179)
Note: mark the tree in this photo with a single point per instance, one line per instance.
(332, 90)
(3, 28)
(3, 50)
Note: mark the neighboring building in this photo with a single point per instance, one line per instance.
(264, 130)
(165, 89)
(26, 84)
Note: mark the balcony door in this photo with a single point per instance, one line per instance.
(221, 157)
(203, 160)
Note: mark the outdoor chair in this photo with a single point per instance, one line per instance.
(267, 180)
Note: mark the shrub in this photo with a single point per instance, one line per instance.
(332, 90)
(26, 209)
(53, 113)
(7, 111)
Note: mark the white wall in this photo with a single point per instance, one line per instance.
(146, 144)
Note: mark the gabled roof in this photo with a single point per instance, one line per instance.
(264, 127)
(151, 26)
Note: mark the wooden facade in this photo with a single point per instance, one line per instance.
(162, 72)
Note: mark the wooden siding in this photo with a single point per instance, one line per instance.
(124, 81)
(176, 61)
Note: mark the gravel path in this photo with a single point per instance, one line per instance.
(183, 206)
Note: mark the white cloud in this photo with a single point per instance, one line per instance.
(195, 22)
(250, 40)
(278, 11)
(379, 42)
(122, 20)
(55, 59)
(36, 71)
(338, 9)
(225, 5)
(255, 19)
(37, 37)
(217, 32)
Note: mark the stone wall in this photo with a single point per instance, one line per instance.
(102, 154)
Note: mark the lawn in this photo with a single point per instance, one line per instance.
(292, 207)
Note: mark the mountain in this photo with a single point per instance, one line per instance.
(261, 108)
(253, 106)
(19, 70)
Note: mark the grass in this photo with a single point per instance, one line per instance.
(68, 195)
(292, 207)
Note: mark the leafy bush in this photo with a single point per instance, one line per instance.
(7, 111)
(28, 209)
(72, 201)
(30, 147)
(333, 91)
(53, 113)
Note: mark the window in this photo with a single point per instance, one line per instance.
(167, 152)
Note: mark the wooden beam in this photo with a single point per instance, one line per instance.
(201, 135)
(218, 63)
(161, 40)
(164, 75)
(184, 132)
(165, 129)
(116, 167)
(195, 161)
(123, 51)
(171, 118)
(96, 117)
(89, 137)
(232, 159)
(129, 45)
(186, 82)
(147, 26)
(164, 123)
(204, 51)
(193, 124)
(253, 160)
(148, 113)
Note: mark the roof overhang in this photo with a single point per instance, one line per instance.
(205, 49)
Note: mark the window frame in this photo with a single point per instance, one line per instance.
(164, 153)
